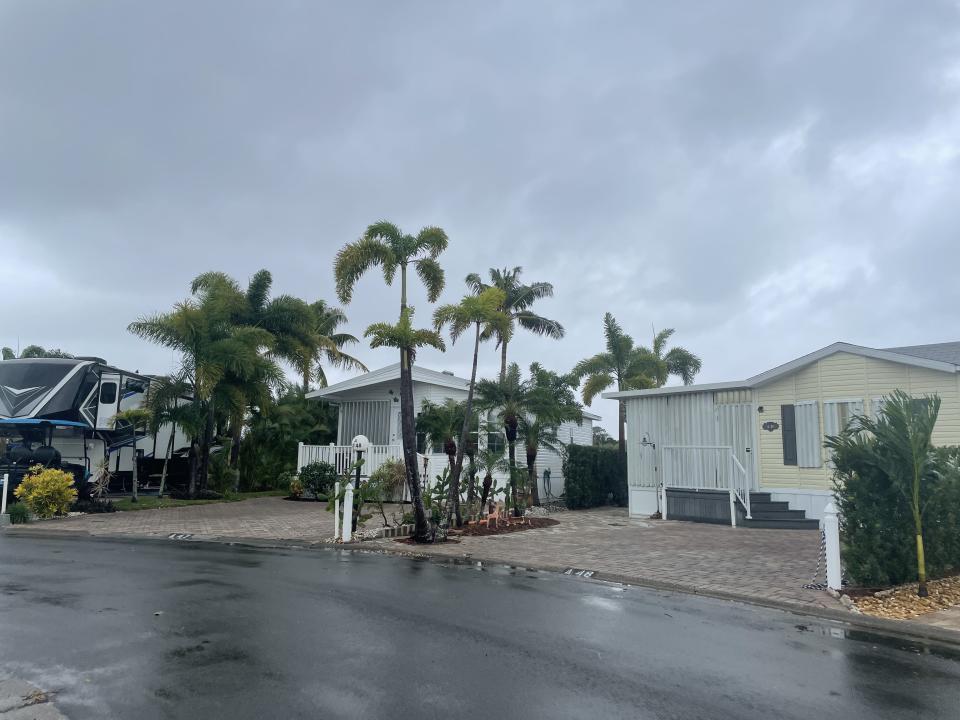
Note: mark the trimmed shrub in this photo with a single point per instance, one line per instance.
(296, 488)
(47, 492)
(594, 476)
(876, 524)
(318, 479)
(19, 515)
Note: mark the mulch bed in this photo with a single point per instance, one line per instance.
(479, 529)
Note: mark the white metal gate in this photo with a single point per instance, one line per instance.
(736, 429)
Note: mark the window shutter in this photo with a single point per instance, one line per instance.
(807, 416)
(788, 429)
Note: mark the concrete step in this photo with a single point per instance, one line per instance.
(768, 506)
(782, 514)
(787, 524)
(759, 497)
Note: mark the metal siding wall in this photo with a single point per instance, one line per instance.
(686, 419)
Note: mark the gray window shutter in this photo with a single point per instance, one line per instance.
(788, 427)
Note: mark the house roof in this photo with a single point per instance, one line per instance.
(944, 357)
(387, 374)
(391, 373)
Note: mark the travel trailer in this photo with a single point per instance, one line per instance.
(60, 412)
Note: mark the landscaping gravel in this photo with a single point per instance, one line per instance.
(903, 603)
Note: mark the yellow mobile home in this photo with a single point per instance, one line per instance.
(760, 441)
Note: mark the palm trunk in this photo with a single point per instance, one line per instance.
(207, 443)
(421, 532)
(454, 496)
(503, 360)
(194, 467)
(532, 474)
(485, 492)
(918, 525)
(166, 459)
(511, 431)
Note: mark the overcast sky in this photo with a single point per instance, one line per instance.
(765, 177)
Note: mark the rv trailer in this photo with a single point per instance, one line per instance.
(60, 412)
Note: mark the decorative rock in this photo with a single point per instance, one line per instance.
(833, 593)
(846, 601)
(884, 593)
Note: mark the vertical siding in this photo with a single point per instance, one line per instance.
(847, 377)
(568, 433)
(685, 419)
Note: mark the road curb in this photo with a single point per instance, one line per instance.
(908, 629)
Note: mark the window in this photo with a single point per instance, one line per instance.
(807, 414)
(876, 405)
(837, 413)
(496, 442)
(108, 393)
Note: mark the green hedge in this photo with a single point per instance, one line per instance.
(877, 525)
(594, 476)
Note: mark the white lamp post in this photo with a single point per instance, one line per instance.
(360, 445)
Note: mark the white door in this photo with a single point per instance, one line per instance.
(735, 428)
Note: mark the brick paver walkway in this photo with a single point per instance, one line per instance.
(768, 564)
(269, 518)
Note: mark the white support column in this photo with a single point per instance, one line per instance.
(663, 501)
(348, 513)
(831, 530)
(3, 502)
(336, 511)
(299, 456)
(733, 508)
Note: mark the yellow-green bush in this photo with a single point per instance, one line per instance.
(46, 491)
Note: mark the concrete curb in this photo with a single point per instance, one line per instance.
(908, 629)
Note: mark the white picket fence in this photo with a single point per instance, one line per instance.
(342, 458)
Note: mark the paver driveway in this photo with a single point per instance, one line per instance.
(769, 564)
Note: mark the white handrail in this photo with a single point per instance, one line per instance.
(705, 467)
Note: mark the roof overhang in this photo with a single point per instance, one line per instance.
(791, 367)
(390, 373)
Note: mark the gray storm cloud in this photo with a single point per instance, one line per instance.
(765, 178)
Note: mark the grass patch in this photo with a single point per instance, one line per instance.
(152, 502)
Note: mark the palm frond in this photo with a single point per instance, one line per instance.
(355, 258)
(431, 274)
(432, 240)
(595, 385)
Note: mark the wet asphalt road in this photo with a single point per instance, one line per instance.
(250, 633)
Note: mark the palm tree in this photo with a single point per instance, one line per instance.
(383, 245)
(629, 367)
(132, 417)
(166, 404)
(508, 398)
(550, 401)
(483, 310)
(677, 361)
(516, 305)
(902, 446)
(329, 344)
(489, 461)
(211, 346)
(441, 424)
(289, 320)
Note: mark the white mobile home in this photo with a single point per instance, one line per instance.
(761, 440)
(369, 404)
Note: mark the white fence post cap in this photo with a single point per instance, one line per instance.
(830, 509)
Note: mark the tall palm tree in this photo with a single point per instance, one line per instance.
(328, 345)
(517, 302)
(482, 310)
(550, 401)
(677, 361)
(383, 245)
(621, 364)
(407, 339)
(289, 320)
(630, 367)
(441, 424)
(508, 399)
(211, 347)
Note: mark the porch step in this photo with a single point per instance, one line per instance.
(784, 524)
(781, 514)
(767, 505)
(762, 497)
